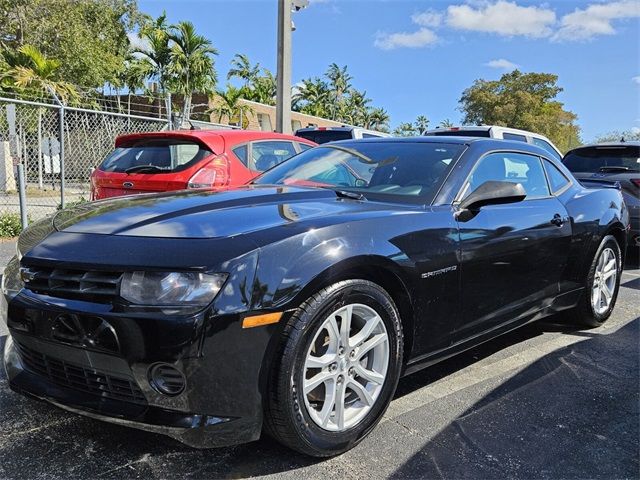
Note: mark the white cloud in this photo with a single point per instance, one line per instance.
(138, 43)
(429, 18)
(502, 64)
(636, 79)
(595, 19)
(417, 39)
(503, 18)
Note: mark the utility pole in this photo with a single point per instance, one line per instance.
(283, 95)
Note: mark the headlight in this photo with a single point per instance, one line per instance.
(11, 281)
(171, 288)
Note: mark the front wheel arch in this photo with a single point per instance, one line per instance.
(378, 270)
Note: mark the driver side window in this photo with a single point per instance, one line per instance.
(510, 167)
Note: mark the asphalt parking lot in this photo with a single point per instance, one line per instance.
(547, 401)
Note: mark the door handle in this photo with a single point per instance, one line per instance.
(557, 220)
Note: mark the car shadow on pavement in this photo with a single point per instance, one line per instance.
(571, 414)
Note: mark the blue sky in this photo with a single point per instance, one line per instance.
(416, 57)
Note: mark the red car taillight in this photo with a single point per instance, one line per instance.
(636, 182)
(213, 174)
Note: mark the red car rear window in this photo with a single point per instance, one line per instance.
(155, 156)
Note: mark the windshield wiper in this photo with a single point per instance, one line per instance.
(614, 169)
(351, 195)
(146, 168)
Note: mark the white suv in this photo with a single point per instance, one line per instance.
(332, 134)
(505, 133)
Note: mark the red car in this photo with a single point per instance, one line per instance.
(177, 160)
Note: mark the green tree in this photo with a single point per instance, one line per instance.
(27, 70)
(379, 119)
(340, 83)
(152, 59)
(313, 97)
(229, 104)
(242, 69)
(616, 136)
(88, 38)
(526, 101)
(422, 124)
(405, 129)
(353, 108)
(446, 123)
(192, 65)
(264, 88)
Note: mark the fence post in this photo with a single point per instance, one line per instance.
(61, 139)
(61, 129)
(40, 148)
(22, 196)
(169, 113)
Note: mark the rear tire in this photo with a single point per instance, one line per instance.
(331, 385)
(601, 286)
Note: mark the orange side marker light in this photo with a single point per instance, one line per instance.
(260, 320)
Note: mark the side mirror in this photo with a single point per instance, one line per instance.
(493, 193)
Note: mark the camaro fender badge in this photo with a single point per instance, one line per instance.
(435, 273)
(127, 184)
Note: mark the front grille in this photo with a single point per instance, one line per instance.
(75, 284)
(81, 378)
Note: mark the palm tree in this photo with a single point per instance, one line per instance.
(192, 64)
(422, 124)
(241, 68)
(340, 83)
(133, 76)
(405, 129)
(312, 97)
(229, 105)
(446, 123)
(27, 69)
(354, 107)
(379, 119)
(154, 59)
(264, 88)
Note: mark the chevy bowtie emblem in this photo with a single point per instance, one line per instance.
(127, 184)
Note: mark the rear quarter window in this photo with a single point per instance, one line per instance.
(514, 136)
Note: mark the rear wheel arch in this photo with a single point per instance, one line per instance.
(619, 233)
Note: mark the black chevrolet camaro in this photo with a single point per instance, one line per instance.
(293, 305)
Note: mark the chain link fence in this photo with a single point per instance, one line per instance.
(58, 147)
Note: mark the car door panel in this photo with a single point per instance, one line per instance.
(512, 256)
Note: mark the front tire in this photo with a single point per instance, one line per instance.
(339, 364)
(601, 286)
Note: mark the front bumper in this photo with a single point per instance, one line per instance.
(222, 364)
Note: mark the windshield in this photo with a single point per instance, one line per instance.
(400, 170)
(602, 159)
(325, 136)
(154, 156)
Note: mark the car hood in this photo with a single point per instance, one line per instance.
(209, 214)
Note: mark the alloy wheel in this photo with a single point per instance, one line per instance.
(345, 367)
(604, 281)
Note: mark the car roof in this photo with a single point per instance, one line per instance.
(631, 143)
(481, 142)
(212, 136)
(487, 128)
(332, 129)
